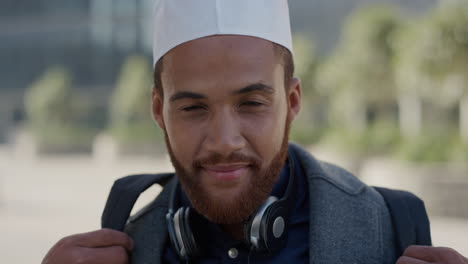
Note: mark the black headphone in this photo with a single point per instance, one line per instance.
(265, 231)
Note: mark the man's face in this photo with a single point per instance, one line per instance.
(226, 115)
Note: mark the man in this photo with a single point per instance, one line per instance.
(225, 97)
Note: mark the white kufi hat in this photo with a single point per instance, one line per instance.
(179, 21)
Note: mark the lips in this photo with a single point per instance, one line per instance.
(226, 172)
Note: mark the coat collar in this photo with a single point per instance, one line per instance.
(344, 223)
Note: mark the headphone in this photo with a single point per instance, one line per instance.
(265, 231)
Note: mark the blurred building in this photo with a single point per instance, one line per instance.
(93, 37)
(89, 37)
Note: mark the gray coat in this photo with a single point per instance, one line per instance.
(349, 221)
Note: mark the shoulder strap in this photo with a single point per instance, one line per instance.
(123, 196)
(409, 218)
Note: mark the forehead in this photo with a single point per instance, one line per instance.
(221, 58)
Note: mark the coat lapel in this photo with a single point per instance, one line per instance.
(342, 229)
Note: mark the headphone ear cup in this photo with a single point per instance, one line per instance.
(172, 232)
(190, 244)
(248, 230)
(273, 227)
(177, 236)
(253, 229)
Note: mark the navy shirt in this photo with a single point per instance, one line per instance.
(221, 248)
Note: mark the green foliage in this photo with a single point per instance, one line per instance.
(361, 65)
(432, 147)
(304, 58)
(53, 114)
(131, 100)
(432, 58)
(308, 126)
(305, 133)
(381, 57)
(48, 99)
(378, 139)
(358, 77)
(447, 40)
(130, 106)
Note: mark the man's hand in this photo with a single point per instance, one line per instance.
(98, 247)
(425, 254)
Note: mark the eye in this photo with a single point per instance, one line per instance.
(192, 108)
(251, 103)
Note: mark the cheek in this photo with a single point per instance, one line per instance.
(265, 133)
(264, 128)
(183, 137)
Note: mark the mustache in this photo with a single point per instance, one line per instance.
(234, 157)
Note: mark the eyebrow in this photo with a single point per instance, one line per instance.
(260, 87)
(186, 95)
(257, 87)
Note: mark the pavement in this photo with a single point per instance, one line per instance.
(45, 199)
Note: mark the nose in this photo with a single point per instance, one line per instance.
(224, 134)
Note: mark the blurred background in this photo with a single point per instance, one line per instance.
(385, 87)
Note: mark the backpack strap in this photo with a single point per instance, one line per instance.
(123, 196)
(409, 218)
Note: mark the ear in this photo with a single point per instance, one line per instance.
(294, 98)
(157, 108)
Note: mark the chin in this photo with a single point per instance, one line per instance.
(226, 196)
(227, 190)
(229, 205)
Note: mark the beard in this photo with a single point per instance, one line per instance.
(248, 199)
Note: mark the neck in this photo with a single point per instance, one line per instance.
(236, 231)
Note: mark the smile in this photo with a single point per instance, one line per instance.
(226, 172)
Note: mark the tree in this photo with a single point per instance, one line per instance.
(53, 113)
(309, 124)
(433, 63)
(410, 81)
(358, 76)
(131, 122)
(48, 99)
